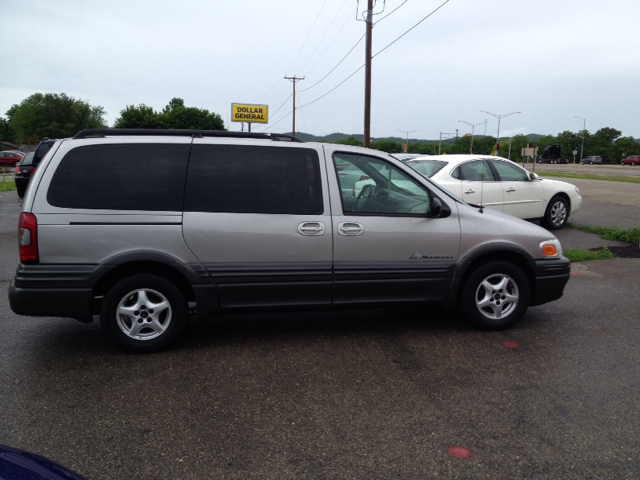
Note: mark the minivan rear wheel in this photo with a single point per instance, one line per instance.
(144, 313)
(495, 296)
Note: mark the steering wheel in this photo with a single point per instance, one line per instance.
(363, 197)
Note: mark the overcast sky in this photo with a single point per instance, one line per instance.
(551, 60)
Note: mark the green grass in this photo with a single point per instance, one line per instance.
(630, 235)
(588, 176)
(6, 186)
(580, 255)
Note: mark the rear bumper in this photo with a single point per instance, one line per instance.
(550, 276)
(54, 291)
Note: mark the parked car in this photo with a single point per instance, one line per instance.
(502, 185)
(144, 227)
(592, 160)
(631, 160)
(23, 172)
(10, 157)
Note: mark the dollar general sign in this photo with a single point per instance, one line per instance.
(249, 113)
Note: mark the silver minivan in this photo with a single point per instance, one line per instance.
(147, 227)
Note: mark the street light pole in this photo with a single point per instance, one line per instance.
(473, 127)
(498, 117)
(407, 132)
(584, 125)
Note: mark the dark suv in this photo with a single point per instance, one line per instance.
(593, 159)
(24, 169)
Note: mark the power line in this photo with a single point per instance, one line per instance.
(325, 34)
(352, 48)
(446, 1)
(329, 46)
(362, 66)
(331, 71)
(308, 34)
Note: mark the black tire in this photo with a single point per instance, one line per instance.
(557, 214)
(143, 328)
(622, 163)
(483, 307)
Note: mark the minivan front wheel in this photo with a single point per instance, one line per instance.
(144, 313)
(495, 296)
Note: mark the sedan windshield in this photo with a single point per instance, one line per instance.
(426, 168)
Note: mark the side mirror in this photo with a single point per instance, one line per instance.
(439, 209)
(534, 176)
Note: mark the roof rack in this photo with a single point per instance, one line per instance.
(114, 132)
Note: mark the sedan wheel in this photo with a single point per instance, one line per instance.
(496, 296)
(144, 313)
(557, 213)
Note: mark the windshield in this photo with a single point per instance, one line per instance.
(426, 168)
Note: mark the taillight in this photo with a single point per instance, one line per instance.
(28, 238)
(31, 170)
(18, 171)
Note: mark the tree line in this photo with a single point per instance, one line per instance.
(59, 116)
(607, 143)
(55, 115)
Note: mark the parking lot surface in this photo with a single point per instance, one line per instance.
(366, 393)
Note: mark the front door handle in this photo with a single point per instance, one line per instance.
(470, 191)
(511, 190)
(350, 228)
(311, 228)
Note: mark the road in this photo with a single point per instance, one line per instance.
(590, 169)
(380, 393)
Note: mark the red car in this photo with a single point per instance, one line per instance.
(10, 157)
(631, 160)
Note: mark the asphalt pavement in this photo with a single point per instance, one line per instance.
(367, 393)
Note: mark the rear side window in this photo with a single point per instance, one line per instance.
(252, 179)
(121, 177)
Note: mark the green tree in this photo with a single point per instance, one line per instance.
(388, 146)
(174, 115)
(192, 118)
(141, 116)
(53, 115)
(350, 141)
(7, 133)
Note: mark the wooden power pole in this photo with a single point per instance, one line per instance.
(367, 78)
(294, 79)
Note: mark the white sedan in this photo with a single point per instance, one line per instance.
(501, 185)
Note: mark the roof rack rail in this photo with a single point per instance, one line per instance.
(114, 132)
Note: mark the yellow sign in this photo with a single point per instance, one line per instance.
(249, 113)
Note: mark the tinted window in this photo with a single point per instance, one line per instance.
(509, 173)
(475, 171)
(121, 177)
(42, 150)
(250, 179)
(377, 187)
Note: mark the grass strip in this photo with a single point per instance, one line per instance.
(629, 235)
(7, 186)
(580, 255)
(588, 176)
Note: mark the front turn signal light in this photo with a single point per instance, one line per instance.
(550, 250)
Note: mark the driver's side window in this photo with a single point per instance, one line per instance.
(370, 185)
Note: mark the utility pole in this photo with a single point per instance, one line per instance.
(407, 132)
(294, 79)
(367, 77)
(473, 127)
(499, 117)
(584, 126)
